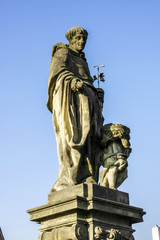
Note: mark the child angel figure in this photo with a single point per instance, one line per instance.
(114, 158)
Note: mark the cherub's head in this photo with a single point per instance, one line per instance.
(77, 37)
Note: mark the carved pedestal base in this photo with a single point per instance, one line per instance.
(86, 212)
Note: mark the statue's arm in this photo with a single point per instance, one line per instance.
(59, 67)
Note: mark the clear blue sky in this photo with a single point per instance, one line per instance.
(125, 36)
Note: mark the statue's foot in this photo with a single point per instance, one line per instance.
(58, 186)
(90, 180)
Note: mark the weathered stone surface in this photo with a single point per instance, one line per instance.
(88, 190)
(95, 206)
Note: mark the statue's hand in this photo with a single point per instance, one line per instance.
(77, 84)
(121, 163)
(100, 94)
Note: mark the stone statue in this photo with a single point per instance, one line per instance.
(78, 207)
(77, 117)
(115, 141)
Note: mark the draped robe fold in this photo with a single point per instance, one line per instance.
(77, 118)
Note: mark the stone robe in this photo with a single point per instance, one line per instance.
(77, 118)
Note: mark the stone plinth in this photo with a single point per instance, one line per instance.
(86, 212)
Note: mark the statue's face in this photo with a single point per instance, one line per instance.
(78, 42)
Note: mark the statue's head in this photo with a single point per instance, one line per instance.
(77, 37)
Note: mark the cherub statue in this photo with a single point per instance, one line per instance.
(115, 139)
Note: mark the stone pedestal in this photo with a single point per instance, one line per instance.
(86, 212)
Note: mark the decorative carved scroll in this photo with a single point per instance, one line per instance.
(74, 232)
(113, 234)
(107, 234)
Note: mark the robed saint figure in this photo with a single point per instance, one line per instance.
(75, 106)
